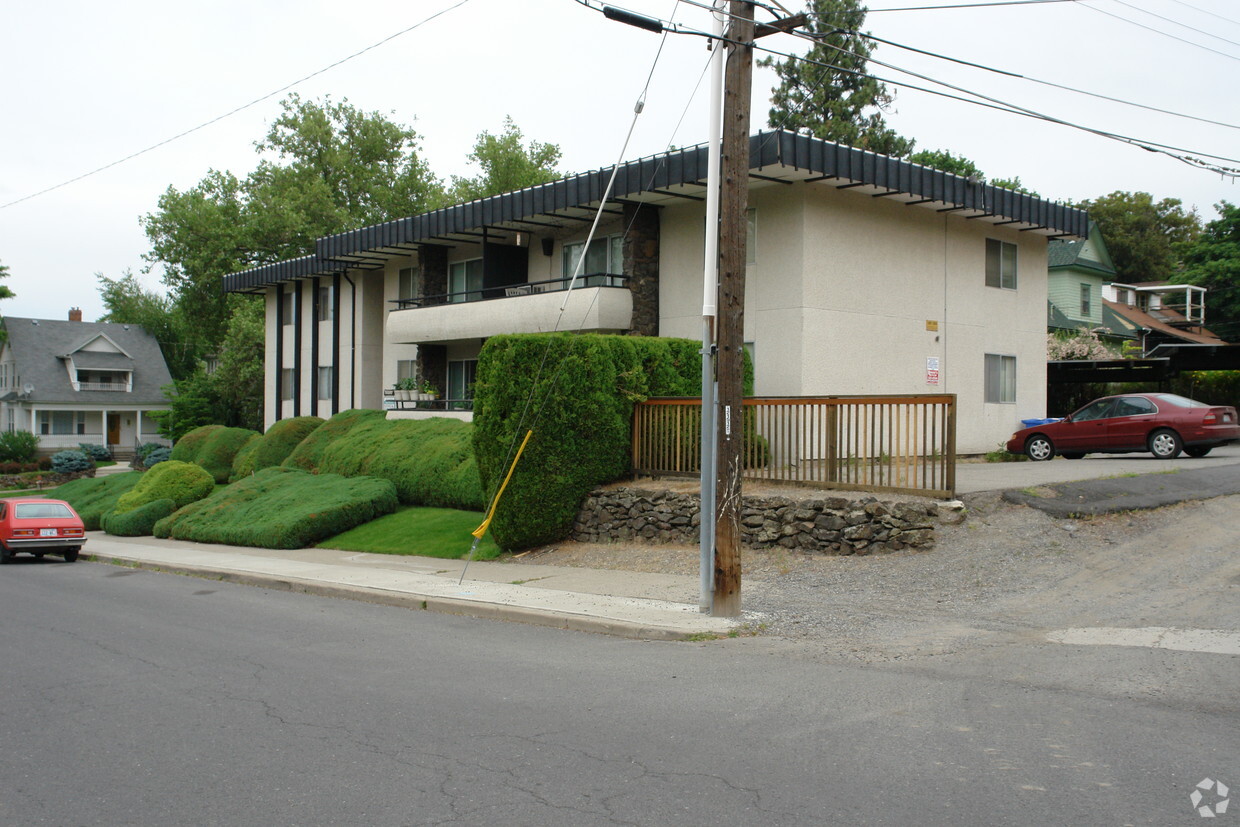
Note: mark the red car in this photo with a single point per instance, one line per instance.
(1162, 423)
(38, 525)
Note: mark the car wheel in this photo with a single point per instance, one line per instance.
(1165, 444)
(1039, 449)
(1073, 455)
(71, 555)
(6, 555)
(1198, 451)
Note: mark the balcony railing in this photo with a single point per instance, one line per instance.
(102, 386)
(524, 288)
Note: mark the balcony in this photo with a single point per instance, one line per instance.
(598, 302)
(102, 386)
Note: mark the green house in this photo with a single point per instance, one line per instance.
(1076, 273)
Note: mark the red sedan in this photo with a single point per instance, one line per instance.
(37, 526)
(1162, 423)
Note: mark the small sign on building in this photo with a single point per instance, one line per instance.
(932, 370)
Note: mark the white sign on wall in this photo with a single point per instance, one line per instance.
(932, 370)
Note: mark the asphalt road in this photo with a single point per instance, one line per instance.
(132, 697)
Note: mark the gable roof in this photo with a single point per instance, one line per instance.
(41, 346)
(1061, 254)
(776, 157)
(1132, 320)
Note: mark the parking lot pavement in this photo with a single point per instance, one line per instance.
(972, 477)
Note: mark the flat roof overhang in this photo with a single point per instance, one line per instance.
(776, 158)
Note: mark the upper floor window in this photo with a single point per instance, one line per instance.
(326, 305)
(407, 283)
(465, 280)
(606, 255)
(286, 308)
(1085, 300)
(286, 383)
(1000, 264)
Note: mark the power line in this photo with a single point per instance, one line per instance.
(976, 5)
(1155, 31)
(1204, 11)
(241, 108)
(1175, 22)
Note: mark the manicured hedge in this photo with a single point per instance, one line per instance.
(214, 447)
(275, 445)
(583, 404)
(309, 452)
(281, 508)
(92, 497)
(138, 522)
(181, 482)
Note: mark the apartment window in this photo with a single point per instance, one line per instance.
(286, 383)
(326, 310)
(462, 374)
(606, 255)
(286, 308)
(406, 369)
(325, 382)
(465, 280)
(1000, 264)
(407, 283)
(1000, 378)
(1085, 302)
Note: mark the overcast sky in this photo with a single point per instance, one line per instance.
(87, 84)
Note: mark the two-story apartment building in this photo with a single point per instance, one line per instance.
(71, 382)
(866, 274)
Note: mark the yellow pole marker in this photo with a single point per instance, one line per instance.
(482, 529)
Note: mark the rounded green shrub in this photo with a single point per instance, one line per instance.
(275, 446)
(181, 482)
(139, 522)
(92, 497)
(99, 453)
(155, 457)
(18, 446)
(309, 452)
(188, 447)
(213, 447)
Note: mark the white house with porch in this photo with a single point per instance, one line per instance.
(867, 275)
(72, 382)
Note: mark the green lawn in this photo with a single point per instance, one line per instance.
(425, 532)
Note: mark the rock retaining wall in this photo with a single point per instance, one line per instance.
(831, 525)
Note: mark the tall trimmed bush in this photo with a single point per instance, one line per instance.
(181, 482)
(213, 447)
(583, 404)
(281, 508)
(92, 497)
(275, 446)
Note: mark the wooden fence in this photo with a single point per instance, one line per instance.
(904, 444)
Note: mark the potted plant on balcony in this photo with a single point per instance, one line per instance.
(405, 388)
(429, 391)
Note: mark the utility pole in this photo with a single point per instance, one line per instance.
(730, 332)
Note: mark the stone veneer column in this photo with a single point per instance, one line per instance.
(641, 265)
(433, 262)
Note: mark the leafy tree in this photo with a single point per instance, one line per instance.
(193, 403)
(324, 167)
(126, 301)
(1142, 234)
(237, 383)
(5, 291)
(1213, 261)
(1080, 344)
(1014, 184)
(946, 161)
(507, 164)
(843, 104)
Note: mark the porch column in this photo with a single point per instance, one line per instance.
(433, 260)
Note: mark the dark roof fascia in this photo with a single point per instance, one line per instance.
(1084, 264)
(676, 168)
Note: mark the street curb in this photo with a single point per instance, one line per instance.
(411, 600)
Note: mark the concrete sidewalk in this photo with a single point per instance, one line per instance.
(628, 604)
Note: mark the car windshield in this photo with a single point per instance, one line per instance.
(41, 511)
(1180, 401)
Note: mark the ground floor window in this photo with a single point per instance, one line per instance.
(325, 382)
(406, 369)
(1000, 378)
(461, 377)
(61, 423)
(286, 383)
